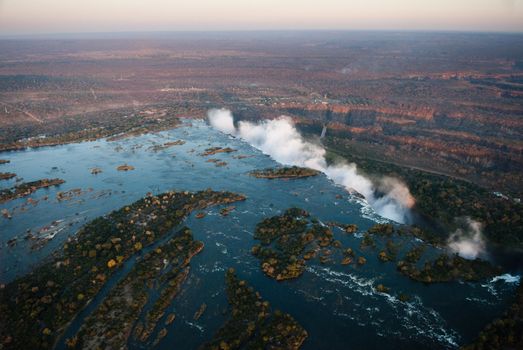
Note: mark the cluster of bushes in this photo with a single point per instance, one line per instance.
(35, 308)
(253, 324)
(26, 188)
(284, 173)
(284, 239)
(110, 325)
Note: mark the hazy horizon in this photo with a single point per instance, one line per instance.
(48, 17)
(238, 33)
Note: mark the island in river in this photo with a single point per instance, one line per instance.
(292, 172)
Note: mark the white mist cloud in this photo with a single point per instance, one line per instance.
(221, 119)
(279, 139)
(396, 201)
(468, 242)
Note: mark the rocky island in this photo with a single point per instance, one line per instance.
(253, 324)
(215, 150)
(283, 240)
(7, 176)
(293, 172)
(125, 167)
(37, 307)
(164, 269)
(27, 188)
(166, 145)
(446, 267)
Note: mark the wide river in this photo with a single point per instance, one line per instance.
(336, 304)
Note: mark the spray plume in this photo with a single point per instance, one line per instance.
(279, 139)
(468, 242)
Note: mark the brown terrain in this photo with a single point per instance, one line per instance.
(449, 103)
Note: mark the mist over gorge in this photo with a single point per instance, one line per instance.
(280, 139)
(468, 241)
(388, 196)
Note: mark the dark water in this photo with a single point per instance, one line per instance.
(336, 304)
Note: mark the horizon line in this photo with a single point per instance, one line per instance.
(86, 34)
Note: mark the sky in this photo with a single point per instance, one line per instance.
(81, 16)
